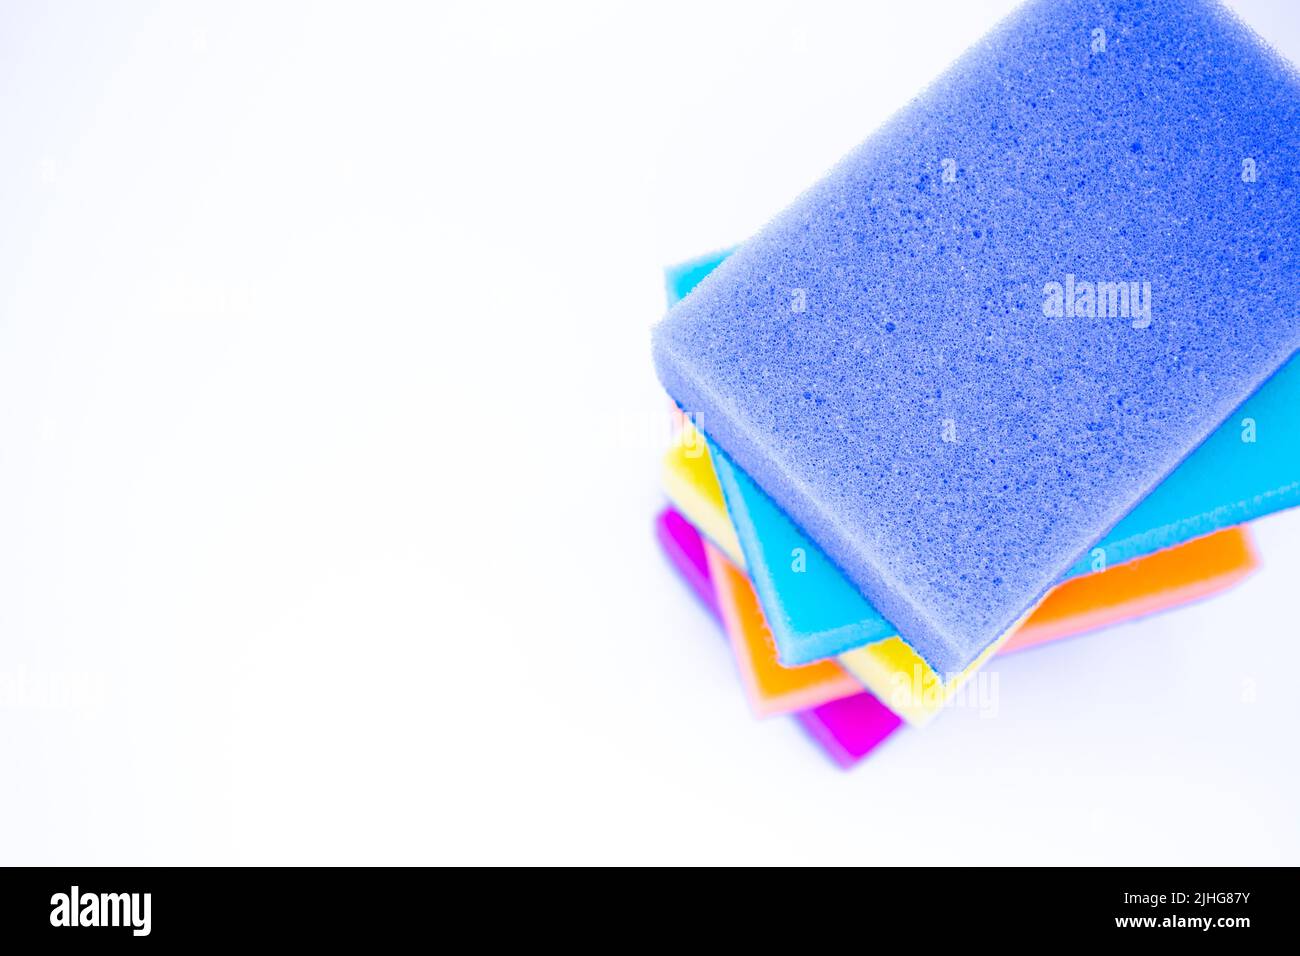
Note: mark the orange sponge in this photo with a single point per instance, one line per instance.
(1177, 575)
(1166, 579)
(772, 687)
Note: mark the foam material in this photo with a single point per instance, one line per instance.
(771, 687)
(1173, 577)
(885, 359)
(847, 729)
(851, 727)
(1157, 582)
(725, 590)
(906, 683)
(894, 671)
(1248, 468)
(691, 483)
(683, 277)
(815, 611)
(685, 548)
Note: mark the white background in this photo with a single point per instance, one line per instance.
(329, 445)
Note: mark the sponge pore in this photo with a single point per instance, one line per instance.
(928, 361)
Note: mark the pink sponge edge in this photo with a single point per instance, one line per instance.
(849, 728)
(685, 549)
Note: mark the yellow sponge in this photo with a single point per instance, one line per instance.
(692, 486)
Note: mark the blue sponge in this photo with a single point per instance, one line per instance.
(1248, 468)
(930, 362)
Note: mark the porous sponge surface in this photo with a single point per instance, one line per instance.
(813, 610)
(1249, 467)
(885, 358)
(685, 276)
(1178, 575)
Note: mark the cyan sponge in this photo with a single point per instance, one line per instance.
(911, 359)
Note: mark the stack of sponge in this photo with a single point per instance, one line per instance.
(1020, 367)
